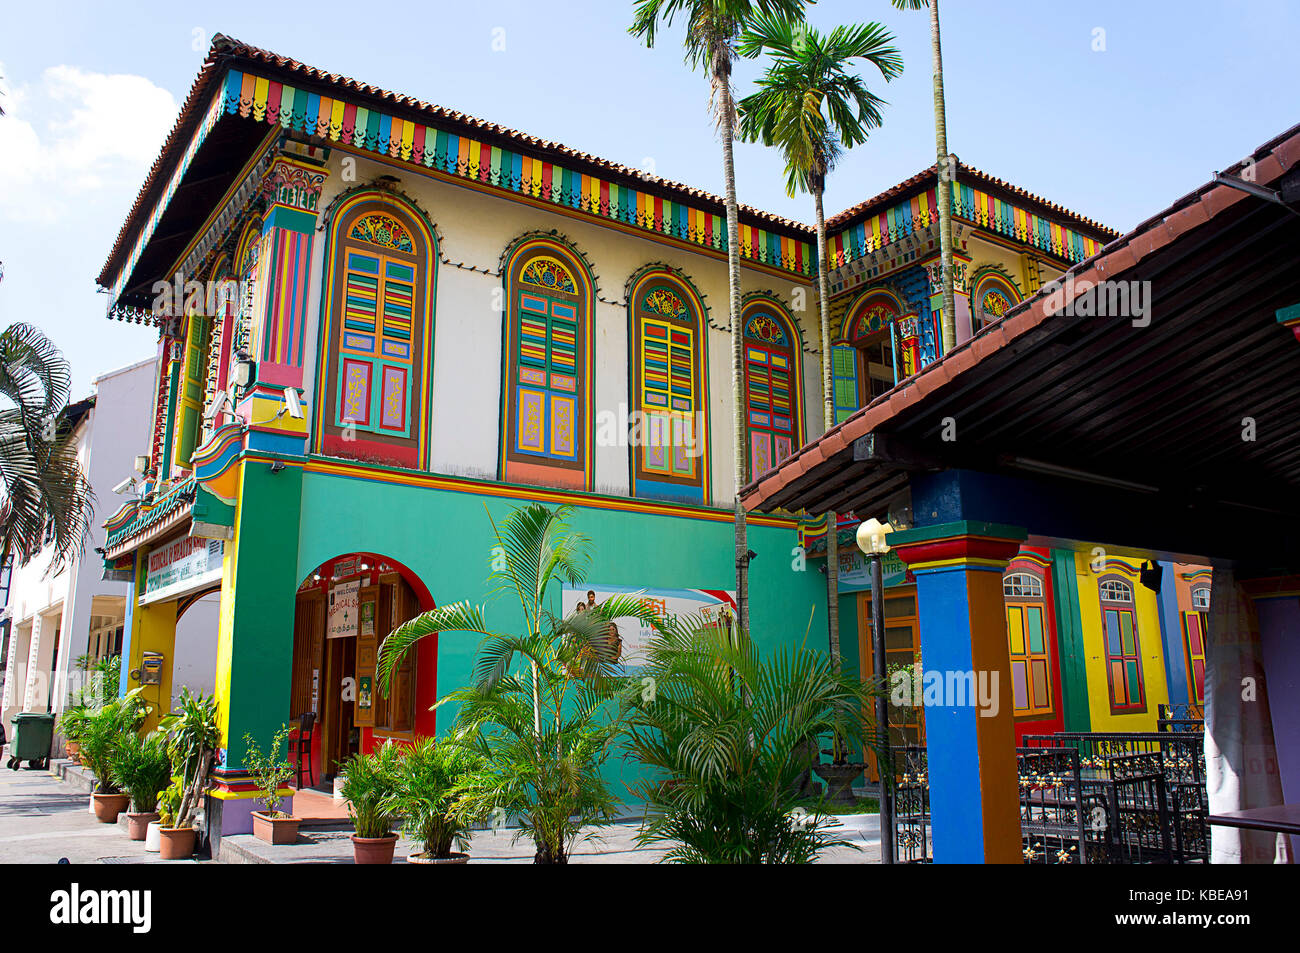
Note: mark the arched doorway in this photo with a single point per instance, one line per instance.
(345, 609)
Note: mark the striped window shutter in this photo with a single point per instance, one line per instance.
(376, 353)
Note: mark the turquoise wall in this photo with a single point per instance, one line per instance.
(444, 537)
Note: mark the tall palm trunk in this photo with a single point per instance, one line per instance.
(828, 396)
(727, 124)
(943, 191)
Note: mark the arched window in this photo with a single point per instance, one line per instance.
(1201, 599)
(1123, 648)
(669, 389)
(548, 372)
(1029, 644)
(773, 406)
(377, 346)
(993, 297)
(877, 349)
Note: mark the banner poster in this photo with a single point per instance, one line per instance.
(632, 635)
(343, 610)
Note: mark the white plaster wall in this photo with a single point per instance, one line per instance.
(194, 661)
(474, 230)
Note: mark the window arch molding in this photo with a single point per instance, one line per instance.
(548, 364)
(774, 425)
(374, 375)
(876, 348)
(664, 300)
(994, 295)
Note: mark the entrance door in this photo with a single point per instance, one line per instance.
(902, 651)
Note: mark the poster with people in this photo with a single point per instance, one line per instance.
(629, 635)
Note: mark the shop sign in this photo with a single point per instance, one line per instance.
(855, 570)
(633, 635)
(343, 610)
(181, 567)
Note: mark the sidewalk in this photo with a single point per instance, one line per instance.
(44, 819)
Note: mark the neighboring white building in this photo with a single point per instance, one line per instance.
(54, 619)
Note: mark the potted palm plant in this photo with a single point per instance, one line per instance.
(430, 783)
(368, 779)
(718, 734)
(106, 731)
(271, 773)
(544, 708)
(72, 726)
(142, 769)
(192, 738)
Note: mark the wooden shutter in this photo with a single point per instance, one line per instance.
(844, 370)
(367, 649)
(308, 632)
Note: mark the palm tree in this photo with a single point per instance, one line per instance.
(44, 487)
(947, 174)
(713, 28)
(811, 108)
(544, 729)
(727, 732)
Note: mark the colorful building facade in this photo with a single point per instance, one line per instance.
(379, 319)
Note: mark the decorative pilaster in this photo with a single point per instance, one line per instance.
(974, 793)
(960, 293)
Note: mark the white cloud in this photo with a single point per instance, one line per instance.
(74, 136)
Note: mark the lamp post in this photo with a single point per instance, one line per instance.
(871, 540)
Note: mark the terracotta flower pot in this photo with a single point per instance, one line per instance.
(108, 806)
(275, 830)
(373, 850)
(176, 843)
(426, 859)
(137, 825)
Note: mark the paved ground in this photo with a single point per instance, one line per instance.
(43, 819)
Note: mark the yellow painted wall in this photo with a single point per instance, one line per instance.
(226, 623)
(153, 629)
(1150, 646)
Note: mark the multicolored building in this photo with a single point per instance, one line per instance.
(378, 319)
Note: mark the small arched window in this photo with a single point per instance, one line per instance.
(548, 372)
(1022, 585)
(773, 409)
(1123, 650)
(377, 359)
(993, 297)
(874, 353)
(670, 449)
(1201, 598)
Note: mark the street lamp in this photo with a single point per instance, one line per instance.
(872, 540)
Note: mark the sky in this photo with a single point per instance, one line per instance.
(1112, 109)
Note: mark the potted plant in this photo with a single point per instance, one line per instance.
(271, 773)
(367, 780)
(106, 731)
(72, 725)
(175, 842)
(431, 780)
(142, 769)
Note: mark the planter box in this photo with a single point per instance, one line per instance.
(275, 830)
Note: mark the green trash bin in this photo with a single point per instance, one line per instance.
(33, 734)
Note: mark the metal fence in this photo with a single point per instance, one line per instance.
(1085, 797)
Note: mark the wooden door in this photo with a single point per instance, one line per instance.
(308, 634)
(902, 650)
